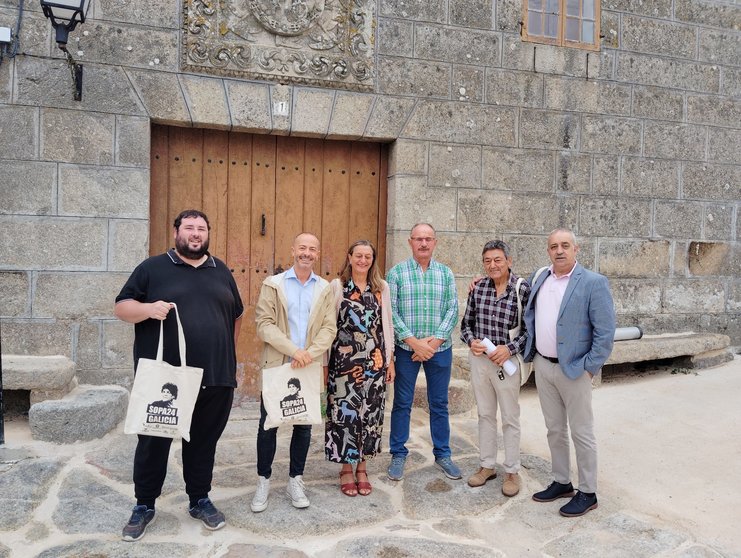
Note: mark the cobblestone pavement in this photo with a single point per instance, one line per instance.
(73, 500)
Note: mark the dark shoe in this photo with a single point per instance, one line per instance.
(206, 512)
(579, 504)
(140, 518)
(554, 491)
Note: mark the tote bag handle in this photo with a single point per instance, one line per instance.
(181, 338)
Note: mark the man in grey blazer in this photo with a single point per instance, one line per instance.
(570, 321)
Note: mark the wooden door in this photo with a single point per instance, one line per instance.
(259, 192)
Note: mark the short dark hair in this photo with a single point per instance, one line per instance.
(294, 382)
(190, 214)
(172, 388)
(496, 245)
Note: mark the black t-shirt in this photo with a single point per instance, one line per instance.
(208, 303)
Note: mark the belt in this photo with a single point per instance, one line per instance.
(554, 360)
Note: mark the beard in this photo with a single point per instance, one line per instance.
(181, 245)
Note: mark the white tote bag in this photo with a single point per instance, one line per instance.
(163, 396)
(291, 395)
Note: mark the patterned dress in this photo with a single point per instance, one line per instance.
(356, 387)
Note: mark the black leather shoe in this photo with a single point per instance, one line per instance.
(554, 491)
(579, 504)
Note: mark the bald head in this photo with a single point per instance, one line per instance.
(305, 252)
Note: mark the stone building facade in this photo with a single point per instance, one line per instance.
(636, 146)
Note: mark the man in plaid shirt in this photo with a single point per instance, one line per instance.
(491, 311)
(424, 307)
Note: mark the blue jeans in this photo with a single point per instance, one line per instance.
(437, 373)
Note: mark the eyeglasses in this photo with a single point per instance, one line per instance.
(426, 239)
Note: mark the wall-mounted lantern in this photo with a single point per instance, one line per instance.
(64, 16)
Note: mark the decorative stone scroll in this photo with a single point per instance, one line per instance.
(328, 43)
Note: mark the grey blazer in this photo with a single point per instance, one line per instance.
(586, 322)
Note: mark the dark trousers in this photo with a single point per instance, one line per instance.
(266, 443)
(210, 416)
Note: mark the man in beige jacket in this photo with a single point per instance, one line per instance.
(296, 321)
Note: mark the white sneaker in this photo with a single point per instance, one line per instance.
(260, 499)
(295, 490)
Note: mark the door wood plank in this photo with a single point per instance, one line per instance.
(215, 188)
(239, 210)
(382, 206)
(364, 182)
(335, 214)
(289, 197)
(263, 215)
(186, 150)
(313, 191)
(160, 226)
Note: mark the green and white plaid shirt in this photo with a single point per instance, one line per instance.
(423, 304)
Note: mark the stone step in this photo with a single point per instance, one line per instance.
(461, 367)
(86, 413)
(46, 377)
(701, 349)
(460, 395)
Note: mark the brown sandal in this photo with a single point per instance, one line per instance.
(364, 487)
(348, 488)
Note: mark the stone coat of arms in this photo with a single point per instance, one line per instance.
(313, 42)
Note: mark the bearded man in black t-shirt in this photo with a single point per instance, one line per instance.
(210, 310)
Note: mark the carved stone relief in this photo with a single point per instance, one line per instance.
(314, 42)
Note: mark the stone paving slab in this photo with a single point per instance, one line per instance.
(114, 459)
(263, 551)
(87, 505)
(330, 513)
(94, 548)
(73, 500)
(23, 486)
(618, 535)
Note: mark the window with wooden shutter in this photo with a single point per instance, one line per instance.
(570, 23)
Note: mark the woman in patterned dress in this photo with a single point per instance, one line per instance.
(360, 365)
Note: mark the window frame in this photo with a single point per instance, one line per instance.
(559, 40)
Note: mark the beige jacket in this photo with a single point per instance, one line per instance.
(388, 325)
(271, 316)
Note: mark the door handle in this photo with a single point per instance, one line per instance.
(262, 225)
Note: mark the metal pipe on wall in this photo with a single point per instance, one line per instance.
(627, 333)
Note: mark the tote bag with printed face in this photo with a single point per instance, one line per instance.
(163, 396)
(292, 395)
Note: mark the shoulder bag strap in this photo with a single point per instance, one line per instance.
(519, 302)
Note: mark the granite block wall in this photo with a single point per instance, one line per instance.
(637, 147)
